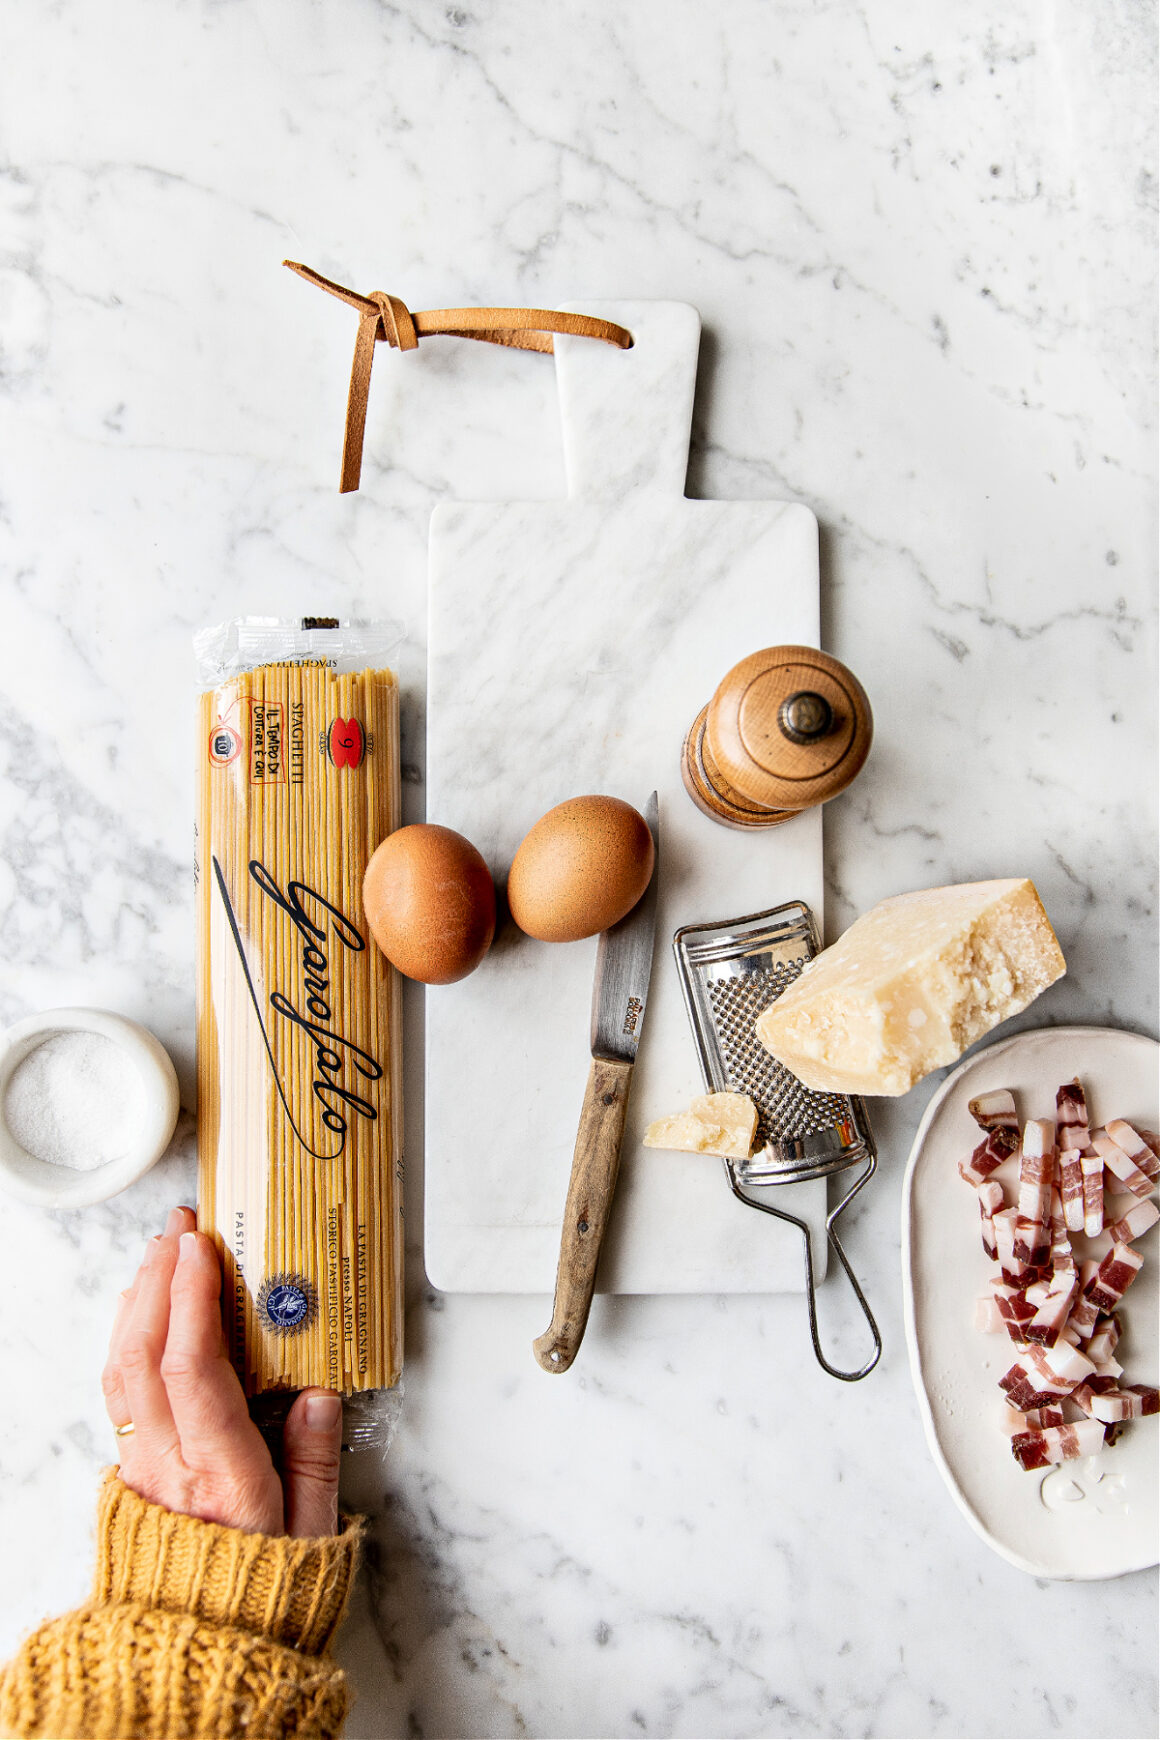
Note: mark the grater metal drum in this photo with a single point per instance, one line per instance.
(730, 971)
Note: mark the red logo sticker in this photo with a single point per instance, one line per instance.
(344, 743)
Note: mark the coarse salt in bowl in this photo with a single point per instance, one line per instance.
(88, 1103)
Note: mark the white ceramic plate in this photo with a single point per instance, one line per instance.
(1095, 1517)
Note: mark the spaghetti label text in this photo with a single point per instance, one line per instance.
(343, 1071)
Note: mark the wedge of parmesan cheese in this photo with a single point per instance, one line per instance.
(714, 1124)
(911, 984)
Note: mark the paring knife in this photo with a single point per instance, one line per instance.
(619, 994)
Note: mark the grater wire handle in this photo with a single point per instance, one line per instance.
(836, 1246)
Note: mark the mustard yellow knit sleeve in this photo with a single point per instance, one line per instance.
(191, 1629)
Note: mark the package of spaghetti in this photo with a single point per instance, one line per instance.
(299, 1125)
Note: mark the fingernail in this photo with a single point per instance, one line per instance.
(174, 1223)
(323, 1412)
(186, 1246)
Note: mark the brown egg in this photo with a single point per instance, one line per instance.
(430, 902)
(583, 866)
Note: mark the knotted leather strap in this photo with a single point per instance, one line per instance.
(383, 317)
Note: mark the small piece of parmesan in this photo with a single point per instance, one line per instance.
(714, 1124)
(911, 984)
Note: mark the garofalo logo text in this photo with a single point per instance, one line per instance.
(340, 1067)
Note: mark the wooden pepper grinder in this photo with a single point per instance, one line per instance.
(788, 728)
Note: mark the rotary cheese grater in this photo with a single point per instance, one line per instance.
(730, 972)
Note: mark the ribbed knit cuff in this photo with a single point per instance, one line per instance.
(292, 1591)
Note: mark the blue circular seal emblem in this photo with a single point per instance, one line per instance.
(287, 1304)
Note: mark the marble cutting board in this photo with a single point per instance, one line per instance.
(571, 644)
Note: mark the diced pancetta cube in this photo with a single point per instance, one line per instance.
(988, 1317)
(1026, 1387)
(1047, 1325)
(1020, 1391)
(1063, 1261)
(1130, 1403)
(1036, 1169)
(1120, 1165)
(1004, 1227)
(1084, 1311)
(1032, 1240)
(1063, 1257)
(1030, 1419)
(1039, 1375)
(987, 1157)
(1052, 1313)
(1070, 1364)
(1071, 1188)
(1114, 1276)
(1071, 1117)
(1102, 1341)
(990, 1198)
(1111, 1407)
(1092, 1166)
(1135, 1144)
(1058, 1444)
(1014, 1308)
(1135, 1223)
(1032, 1450)
(996, 1111)
(1084, 1394)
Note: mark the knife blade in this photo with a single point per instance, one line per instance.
(619, 994)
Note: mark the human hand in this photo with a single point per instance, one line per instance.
(193, 1447)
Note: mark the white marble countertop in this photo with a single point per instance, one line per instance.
(921, 242)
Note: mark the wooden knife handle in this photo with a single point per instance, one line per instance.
(595, 1165)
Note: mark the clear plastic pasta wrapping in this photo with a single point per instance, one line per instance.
(299, 1056)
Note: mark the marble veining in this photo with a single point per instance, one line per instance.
(921, 241)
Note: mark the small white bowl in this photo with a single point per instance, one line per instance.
(46, 1185)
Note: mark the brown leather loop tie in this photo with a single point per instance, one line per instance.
(383, 317)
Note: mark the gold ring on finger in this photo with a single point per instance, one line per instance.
(125, 1431)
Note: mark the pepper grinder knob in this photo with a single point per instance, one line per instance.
(805, 717)
(788, 728)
